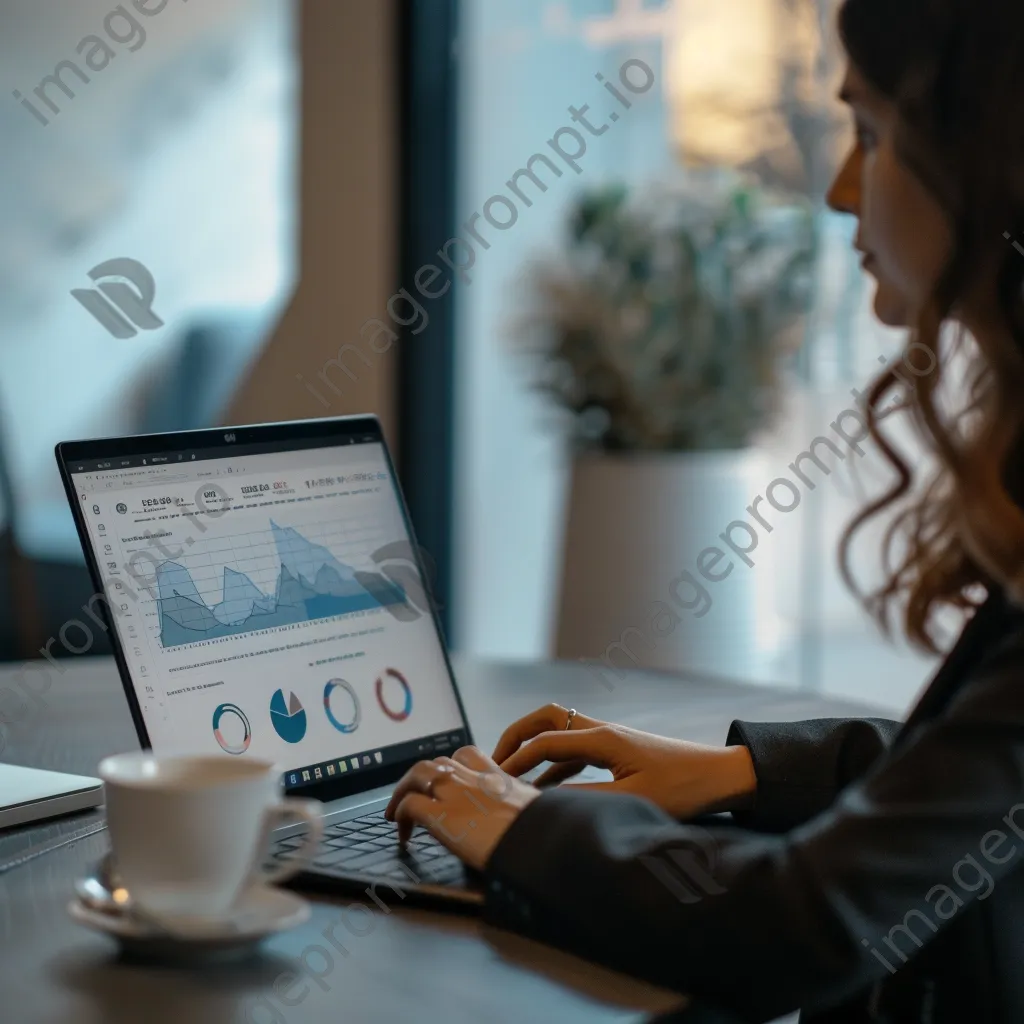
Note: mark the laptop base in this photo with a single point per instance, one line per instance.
(30, 794)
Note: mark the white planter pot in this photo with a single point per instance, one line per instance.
(632, 589)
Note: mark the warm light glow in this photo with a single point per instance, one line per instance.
(723, 66)
(729, 69)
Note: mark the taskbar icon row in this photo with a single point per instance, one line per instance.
(328, 770)
(332, 769)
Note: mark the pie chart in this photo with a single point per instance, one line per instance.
(288, 720)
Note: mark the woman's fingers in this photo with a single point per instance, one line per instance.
(541, 720)
(483, 773)
(474, 758)
(594, 746)
(422, 777)
(412, 810)
(459, 814)
(549, 718)
(558, 773)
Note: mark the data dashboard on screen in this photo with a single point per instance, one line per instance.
(269, 605)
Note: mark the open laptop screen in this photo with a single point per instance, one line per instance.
(268, 602)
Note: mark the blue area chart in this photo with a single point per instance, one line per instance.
(312, 584)
(289, 721)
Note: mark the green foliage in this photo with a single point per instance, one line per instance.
(664, 323)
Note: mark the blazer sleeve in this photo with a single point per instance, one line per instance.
(765, 924)
(802, 766)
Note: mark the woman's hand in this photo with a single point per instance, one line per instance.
(465, 801)
(682, 778)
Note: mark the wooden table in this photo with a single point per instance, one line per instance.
(412, 965)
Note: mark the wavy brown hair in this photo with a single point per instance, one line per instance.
(955, 70)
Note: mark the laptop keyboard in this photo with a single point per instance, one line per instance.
(368, 846)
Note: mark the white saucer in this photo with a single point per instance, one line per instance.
(261, 911)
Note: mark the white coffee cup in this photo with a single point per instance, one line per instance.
(189, 834)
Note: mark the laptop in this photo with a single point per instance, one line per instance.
(265, 597)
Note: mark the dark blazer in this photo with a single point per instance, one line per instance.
(878, 877)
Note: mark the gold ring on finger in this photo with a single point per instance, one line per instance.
(439, 770)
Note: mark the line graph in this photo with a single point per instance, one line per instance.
(240, 583)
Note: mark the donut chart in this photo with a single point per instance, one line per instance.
(231, 748)
(341, 684)
(395, 716)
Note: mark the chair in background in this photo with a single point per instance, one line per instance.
(20, 620)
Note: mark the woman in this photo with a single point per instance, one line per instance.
(871, 870)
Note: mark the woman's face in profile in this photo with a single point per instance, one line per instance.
(903, 232)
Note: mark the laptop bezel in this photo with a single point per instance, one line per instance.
(331, 430)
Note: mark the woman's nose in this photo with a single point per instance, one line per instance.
(844, 195)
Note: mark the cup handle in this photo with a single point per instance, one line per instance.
(293, 810)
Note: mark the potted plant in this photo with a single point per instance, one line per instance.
(661, 334)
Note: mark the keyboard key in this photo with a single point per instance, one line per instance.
(370, 837)
(367, 860)
(358, 840)
(331, 859)
(423, 848)
(368, 845)
(340, 841)
(343, 837)
(361, 848)
(432, 852)
(424, 844)
(353, 858)
(354, 828)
